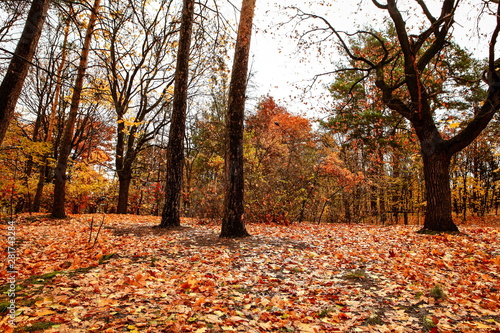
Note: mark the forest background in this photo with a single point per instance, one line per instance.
(354, 160)
(101, 127)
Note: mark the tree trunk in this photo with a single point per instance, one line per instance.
(438, 215)
(124, 180)
(58, 210)
(13, 81)
(175, 147)
(233, 219)
(39, 187)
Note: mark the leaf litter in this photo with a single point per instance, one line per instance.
(296, 278)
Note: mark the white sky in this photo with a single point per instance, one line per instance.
(283, 73)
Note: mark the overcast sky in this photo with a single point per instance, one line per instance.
(283, 72)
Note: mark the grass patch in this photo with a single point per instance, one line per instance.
(4, 307)
(38, 326)
(324, 313)
(374, 319)
(38, 281)
(437, 293)
(358, 275)
(153, 261)
(44, 278)
(242, 290)
(106, 257)
(433, 232)
(428, 323)
(5, 289)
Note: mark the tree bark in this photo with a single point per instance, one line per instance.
(124, 180)
(13, 81)
(124, 161)
(175, 147)
(233, 219)
(438, 215)
(122, 156)
(59, 200)
(37, 200)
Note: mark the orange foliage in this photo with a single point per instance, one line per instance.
(280, 163)
(299, 277)
(332, 166)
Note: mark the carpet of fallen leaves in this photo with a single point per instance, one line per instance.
(296, 278)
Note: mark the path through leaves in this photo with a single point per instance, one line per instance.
(297, 278)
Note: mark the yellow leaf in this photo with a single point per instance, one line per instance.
(237, 318)
(482, 326)
(306, 328)
(214, 319)
(41, 302)
(267, 325)
(42, 313)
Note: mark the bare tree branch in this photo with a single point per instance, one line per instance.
(426, 11)
(493, 41)
(379, 5)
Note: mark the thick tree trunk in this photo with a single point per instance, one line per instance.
(58, 206)
(124, 180)
(233, 219)
(438, 215)
(13, 81)
(175, 147)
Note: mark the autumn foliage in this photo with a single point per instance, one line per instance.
(332, 201)
(298, 278)
(357, 165)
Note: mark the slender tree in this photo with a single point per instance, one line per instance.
(13, 81)
(139, 79)
(233, 219)
(58, 207)
(44, 166)
(175, 147)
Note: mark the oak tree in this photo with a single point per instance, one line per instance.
(411, 94)
(419, 52)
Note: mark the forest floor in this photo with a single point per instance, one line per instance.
(296, 278)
